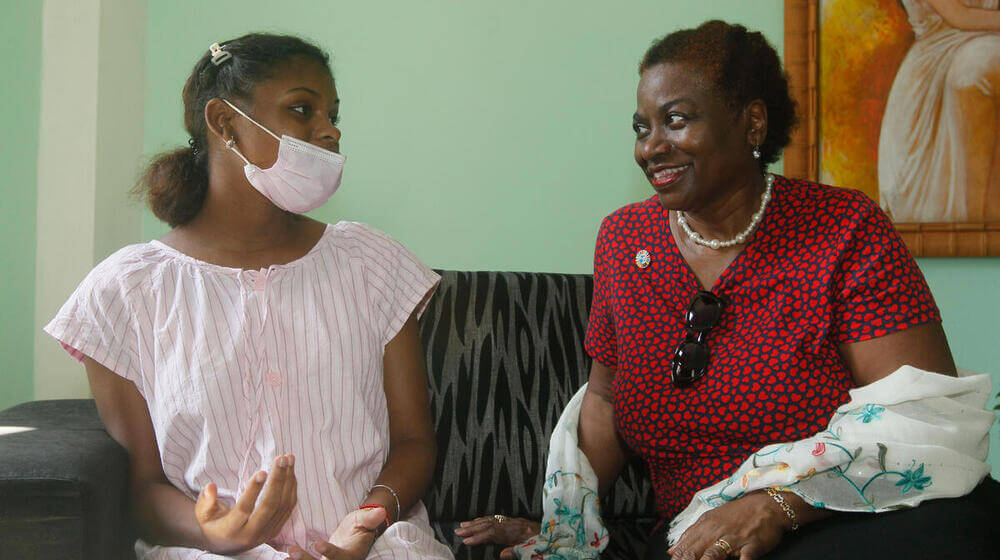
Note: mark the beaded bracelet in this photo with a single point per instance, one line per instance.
(789, 512)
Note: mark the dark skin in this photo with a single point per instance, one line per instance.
(240, 228)
(685, 129)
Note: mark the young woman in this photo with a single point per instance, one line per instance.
(262, 369)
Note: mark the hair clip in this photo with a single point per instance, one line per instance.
(218, 55)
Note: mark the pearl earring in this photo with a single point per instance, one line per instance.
(756, 152)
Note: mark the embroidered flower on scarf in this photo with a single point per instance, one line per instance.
(914, 478)
(567, 513)
(806, 476)
(746, 477)
(870, 412)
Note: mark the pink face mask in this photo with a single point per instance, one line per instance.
(303, 177)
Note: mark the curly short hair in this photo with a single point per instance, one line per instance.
(743, 67)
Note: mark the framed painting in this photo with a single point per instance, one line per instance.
(898, 104)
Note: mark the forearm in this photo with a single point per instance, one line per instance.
(599, 439)
(963, 17)
(978, 19)
(164, 515)
(408, 472)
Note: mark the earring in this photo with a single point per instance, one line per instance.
(232, 142)
(756, 152)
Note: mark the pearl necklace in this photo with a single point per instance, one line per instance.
(741, 237)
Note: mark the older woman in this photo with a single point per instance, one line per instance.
(736, 308)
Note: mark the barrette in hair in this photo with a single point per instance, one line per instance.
(218, 55)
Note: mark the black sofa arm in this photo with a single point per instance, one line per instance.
(63, 484)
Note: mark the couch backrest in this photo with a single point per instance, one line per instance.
(504, 356)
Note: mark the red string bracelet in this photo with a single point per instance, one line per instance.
(388, 519)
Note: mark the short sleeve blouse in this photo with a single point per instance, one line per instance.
(240, 366)
(826, 267)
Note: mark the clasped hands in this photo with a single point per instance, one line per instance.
(250, 523)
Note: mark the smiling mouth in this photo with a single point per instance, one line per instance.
(665, 177)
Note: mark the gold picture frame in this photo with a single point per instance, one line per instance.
(802, 156)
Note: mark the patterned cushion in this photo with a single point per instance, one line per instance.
(504, 355)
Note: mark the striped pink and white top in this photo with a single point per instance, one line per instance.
(240, 366)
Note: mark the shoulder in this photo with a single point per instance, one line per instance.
(815, 209)
(113, 287)
(359, 236)
(632, 212)
(126, 269)
(375, 248)
(359, 233)
(815, 199)
(630, 219)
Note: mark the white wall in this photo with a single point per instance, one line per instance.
(90, 141)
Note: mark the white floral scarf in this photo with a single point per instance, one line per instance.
(571, 525)
(908, 437)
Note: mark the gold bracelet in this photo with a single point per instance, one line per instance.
(789, 512)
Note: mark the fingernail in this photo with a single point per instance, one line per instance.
(291, 460)
(282, 461)
(261, 476)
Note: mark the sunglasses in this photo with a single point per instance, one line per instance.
(691, 356)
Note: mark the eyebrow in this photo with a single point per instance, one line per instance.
(673, 102)
(302, 88)
(666, 106)
(307, 90)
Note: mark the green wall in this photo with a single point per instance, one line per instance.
(968, 293)
(20, 65)
(483, 135)
(496, 135)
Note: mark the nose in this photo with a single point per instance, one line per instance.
(654, 144)
(328, 136)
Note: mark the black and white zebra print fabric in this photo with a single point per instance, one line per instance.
(504, 355)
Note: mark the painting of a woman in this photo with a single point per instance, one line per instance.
(939, 154)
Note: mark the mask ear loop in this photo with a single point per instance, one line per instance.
(264, 128)
(231, 144)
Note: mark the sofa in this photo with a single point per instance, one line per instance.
(504, 355)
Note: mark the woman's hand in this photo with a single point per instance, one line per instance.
(752, 526)
(248, 523)
(351, 541)
(497, 529)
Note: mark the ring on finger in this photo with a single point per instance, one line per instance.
(725, 546)
(500, 518)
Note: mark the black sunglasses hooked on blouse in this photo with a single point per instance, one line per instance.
(691, 356)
